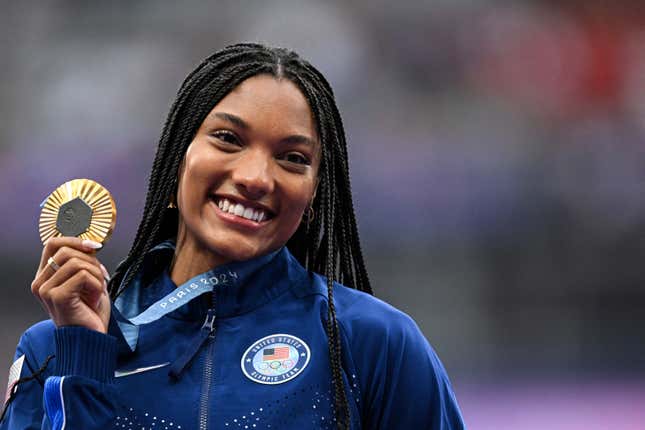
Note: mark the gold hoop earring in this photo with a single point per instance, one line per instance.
(310, 215)
(172, 204)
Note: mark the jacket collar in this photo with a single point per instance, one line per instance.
(251, 284)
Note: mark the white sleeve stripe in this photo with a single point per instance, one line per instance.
(62, 401)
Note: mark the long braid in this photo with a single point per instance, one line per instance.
(341, 409)
(353, 240)
(329, 252)
(350, 219)
(329, 244)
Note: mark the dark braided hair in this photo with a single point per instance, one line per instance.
(329, 244)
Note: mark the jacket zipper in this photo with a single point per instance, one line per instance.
(207, 379)
(193, 348)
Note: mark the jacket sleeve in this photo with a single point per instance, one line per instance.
(403, 382)
(82, 394)
(23, 402)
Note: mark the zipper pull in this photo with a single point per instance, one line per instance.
(209, 323)
(207, 330)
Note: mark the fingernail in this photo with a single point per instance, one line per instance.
(106, 275)
(91, 244)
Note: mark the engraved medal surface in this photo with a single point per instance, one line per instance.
(80, 207)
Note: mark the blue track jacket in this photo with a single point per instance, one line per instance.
(251, 355)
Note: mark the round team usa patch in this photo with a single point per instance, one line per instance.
(275, 359)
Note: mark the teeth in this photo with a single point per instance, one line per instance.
(257, 215)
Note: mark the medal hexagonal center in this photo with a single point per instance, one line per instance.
(74, 217)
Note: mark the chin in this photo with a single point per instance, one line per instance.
(240, 251)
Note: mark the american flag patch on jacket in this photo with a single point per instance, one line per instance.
(14, 375)
(279, 353)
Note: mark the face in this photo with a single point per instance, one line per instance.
(248, 175)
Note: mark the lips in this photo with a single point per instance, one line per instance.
(247, 211)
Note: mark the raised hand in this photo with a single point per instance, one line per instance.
(71, 284)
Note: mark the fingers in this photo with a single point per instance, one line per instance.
(71, 261)
(55, 243)
(67, 302)
(61, 257)
(88, 276)
(74, 289)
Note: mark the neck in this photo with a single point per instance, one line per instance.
(190, 260)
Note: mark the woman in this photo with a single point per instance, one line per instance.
(211, 321)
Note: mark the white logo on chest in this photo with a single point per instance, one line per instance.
(275, 359)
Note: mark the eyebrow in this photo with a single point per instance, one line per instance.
(239, 122)
(298, 138)
(236, 120)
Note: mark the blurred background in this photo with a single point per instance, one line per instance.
(498, 164)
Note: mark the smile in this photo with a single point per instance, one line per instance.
(235, 208)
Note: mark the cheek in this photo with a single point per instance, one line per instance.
(296, 204)
(289, 225)
(195, 170)
(197, 174)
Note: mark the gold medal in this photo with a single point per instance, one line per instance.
(80, 207)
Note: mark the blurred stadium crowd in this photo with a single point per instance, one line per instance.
(497, 153)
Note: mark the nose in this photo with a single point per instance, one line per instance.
(252, 175)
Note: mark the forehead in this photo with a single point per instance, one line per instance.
(268, 103)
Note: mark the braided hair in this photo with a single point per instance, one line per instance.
(328, 244)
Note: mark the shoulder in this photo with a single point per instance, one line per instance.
(360, 314)
(40, 331)
(392, 361)
(372, 328)
(38, 340)
(35, 348)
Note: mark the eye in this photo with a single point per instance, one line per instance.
(296, 158)
(227, 137)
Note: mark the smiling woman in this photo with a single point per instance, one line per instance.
(228, 311)
(257, 154)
